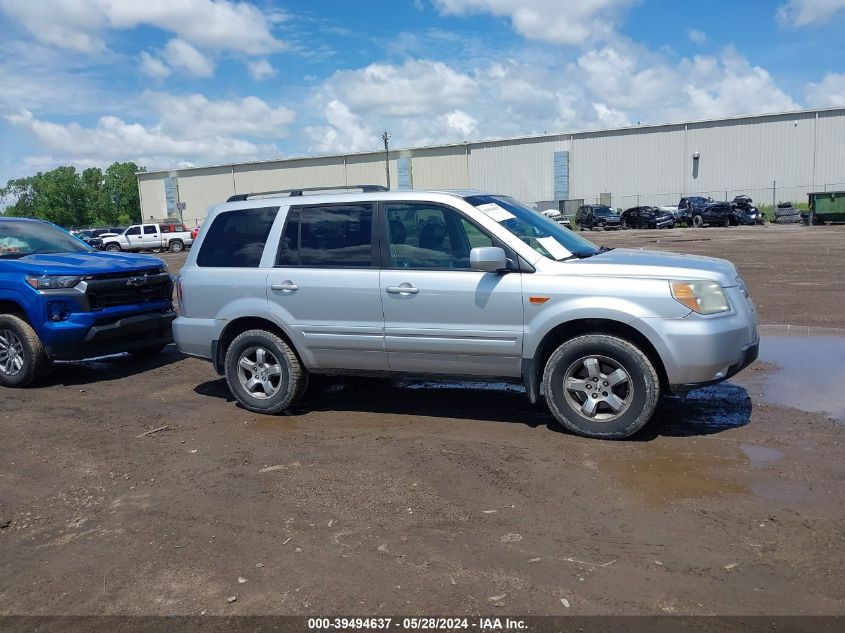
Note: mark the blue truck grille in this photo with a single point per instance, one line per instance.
(128, 290)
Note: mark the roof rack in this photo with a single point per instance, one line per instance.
(238, 197)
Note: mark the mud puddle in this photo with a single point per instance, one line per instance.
(811, 375)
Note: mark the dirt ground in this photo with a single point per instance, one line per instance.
(400, 498)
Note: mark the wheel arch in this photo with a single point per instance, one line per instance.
(7, 306)
(239, 326)
(570, 329)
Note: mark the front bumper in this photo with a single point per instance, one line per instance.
(125, 334)
(703, 350)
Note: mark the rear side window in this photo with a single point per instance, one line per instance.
(236, 239)
(328, 236)
(149, 230)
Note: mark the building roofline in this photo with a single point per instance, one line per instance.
(525, 137)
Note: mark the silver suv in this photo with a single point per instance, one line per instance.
(454, 283)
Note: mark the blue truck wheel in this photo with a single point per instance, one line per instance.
(23, 360)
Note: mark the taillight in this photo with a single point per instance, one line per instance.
(179, 294)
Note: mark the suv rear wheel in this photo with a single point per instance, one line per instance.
(697, 221)
(601, 386)
(263, 373)
(23, 359)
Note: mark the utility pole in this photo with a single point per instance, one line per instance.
(386, 137)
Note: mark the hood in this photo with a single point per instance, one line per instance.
(657, 264)
(93, 263)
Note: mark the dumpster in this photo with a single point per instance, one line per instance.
(827, 206)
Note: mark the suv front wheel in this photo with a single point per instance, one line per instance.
(263, 373)
(601, 386)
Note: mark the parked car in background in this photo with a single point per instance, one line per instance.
(746, 212)
(597, 216)
(681, 216)
(62, 300)
(689, 206)
(715, 214)
(647, 218)
(144, 237)
(281, 287)
(556, 216)
(93, 237)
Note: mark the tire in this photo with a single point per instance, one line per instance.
(625, 226)
(726, 222)
(575, 361)
(260, 349)
(697, 221)
(177, 246)
(28, 362)
(112, 247)
(146, 352)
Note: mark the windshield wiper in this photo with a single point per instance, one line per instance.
(586, 254)
(580, 255)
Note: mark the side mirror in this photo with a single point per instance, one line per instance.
(488, 259)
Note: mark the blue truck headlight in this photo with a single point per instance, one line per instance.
(52, 282)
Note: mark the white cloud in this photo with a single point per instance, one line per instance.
(730, 85)
(561, 22)
(261, 69)
(192, 129)
(343, 132)
(808, 12)
(611, 86)
(696, 36)
(829, 92)
(609, 117)
(416, 88)
(196, 117)
(79, 24)
(461, 122)
(182, 55)
(153, 66)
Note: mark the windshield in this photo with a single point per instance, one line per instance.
(22, 238)
(544, 236)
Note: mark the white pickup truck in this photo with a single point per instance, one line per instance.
(143, 237)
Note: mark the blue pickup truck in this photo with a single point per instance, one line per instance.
(62, 300)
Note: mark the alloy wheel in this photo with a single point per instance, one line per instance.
(260, 373)
(598, 387)
(11, 353)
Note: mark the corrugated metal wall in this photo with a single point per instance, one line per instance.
(523, 168)
(200, 188)
(151, 190)
(650, 165)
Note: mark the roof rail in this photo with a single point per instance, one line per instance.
(238, 197)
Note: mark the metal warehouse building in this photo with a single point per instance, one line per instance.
(773, 157)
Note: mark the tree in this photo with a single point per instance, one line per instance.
(68, 198)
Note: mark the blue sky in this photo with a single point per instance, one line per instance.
(167, 84)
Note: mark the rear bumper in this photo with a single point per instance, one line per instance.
(126, 334)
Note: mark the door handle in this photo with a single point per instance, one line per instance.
(403, 289)
(288, 286)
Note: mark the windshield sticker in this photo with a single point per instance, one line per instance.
(553, 246)
(494, 211)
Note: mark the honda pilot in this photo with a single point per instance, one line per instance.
(441, 284)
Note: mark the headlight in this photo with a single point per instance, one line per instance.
(704, 297)
(51, 282)
(162, 269)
